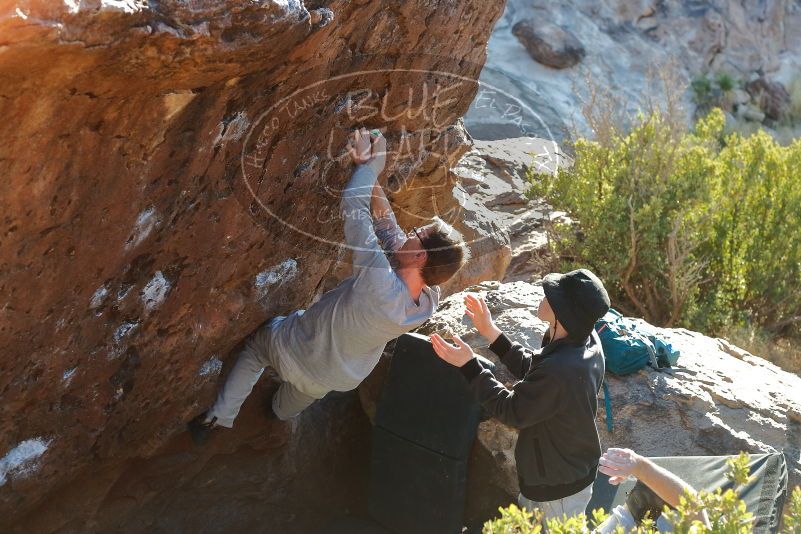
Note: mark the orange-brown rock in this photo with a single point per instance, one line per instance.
(170, 180)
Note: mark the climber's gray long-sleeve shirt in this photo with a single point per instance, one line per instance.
(340, 338)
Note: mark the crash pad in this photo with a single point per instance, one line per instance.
(425, 425)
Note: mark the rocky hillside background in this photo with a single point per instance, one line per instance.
(542, 54)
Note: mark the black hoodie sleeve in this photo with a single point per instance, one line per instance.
(528, 402)
(513, 355)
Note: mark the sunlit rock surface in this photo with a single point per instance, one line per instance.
(492, 181)
(171, 180)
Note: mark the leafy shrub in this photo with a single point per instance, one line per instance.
(689, 228)
(725, 82)
(725, 511)
(702, 89)
(710, 91)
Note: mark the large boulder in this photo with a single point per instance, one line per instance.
(259, 473)
(172, 172)
(549, 44)
(770, 96)
(494, 179)
(718, 399)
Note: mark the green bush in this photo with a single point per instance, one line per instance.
(689, 228)
(702, 90)
(725, 82)
(708, 91)
(725, 513)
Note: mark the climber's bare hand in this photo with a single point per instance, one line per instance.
(378, 150)
(359, 146)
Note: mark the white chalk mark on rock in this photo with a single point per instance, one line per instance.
(290, 7)
(21, 460)
(98, 297)
(73, 6)
(154, 293)
(277, 274)
(124, 329)
(145, 222)
(232, 128)
(123, 292)
(212, 367)
(126, 6)
(66, 378)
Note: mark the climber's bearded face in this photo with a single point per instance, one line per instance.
(413, 253)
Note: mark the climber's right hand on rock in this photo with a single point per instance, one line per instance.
(476, 308)
(379, 151)
(369, 148)
(360, 146)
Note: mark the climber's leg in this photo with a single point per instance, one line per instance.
(289, 401)
(246, 372)
(569, 506)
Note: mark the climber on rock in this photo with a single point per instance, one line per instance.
(555, 402)
(338, 340)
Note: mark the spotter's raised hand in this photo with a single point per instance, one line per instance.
(457, 355)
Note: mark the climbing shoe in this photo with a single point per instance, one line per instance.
(200, 428)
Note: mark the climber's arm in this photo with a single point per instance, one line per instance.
(527, 403)
(379, 204)
(355, 209)
(514, 356)
(389, 234)
(356, 203)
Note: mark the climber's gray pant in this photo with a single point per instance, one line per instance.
(295, 394)
(572, 505)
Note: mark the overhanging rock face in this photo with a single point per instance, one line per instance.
(170, 180)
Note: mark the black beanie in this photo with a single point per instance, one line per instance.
(578, 299)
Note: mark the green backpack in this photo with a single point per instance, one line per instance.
(626, 349)
(629, 346)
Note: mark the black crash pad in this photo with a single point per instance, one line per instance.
(764, 495)
(426, 400)
(425, 425)
(353, 525)
(413, 489)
